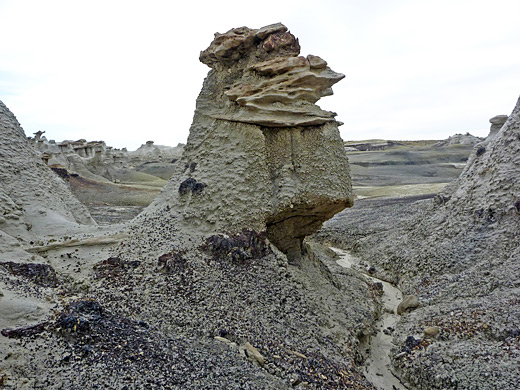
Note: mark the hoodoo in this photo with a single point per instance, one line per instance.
(261, 154)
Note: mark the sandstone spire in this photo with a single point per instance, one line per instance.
(261, 154)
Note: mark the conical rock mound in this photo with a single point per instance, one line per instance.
(478, 214)
(460, 256)
(32, 198)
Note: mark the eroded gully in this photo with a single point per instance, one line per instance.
(378, 366)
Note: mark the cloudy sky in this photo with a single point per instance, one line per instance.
(128, 71)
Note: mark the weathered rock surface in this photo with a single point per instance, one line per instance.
(276, 88)
(32, 197)
(260, 153)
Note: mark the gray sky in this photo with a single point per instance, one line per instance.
(127, 71)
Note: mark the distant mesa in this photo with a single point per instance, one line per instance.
(460, 139)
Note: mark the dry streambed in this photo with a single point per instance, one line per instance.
(378, 366)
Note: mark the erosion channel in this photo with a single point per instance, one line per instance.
(378, 366)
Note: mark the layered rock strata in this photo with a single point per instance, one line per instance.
(261, 154)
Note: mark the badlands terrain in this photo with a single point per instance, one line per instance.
(265, 253)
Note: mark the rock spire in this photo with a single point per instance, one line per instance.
(261, 154)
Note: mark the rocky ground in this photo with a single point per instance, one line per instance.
(87, 318)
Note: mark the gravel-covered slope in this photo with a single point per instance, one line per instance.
(228, 313)
(460, 254)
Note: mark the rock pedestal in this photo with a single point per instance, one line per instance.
(496, 124)
(261, 154)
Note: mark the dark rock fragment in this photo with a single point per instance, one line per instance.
(238, 248)
(172, 261)
(410, 344)
(25, 331)
(79, 315)
(40, 274)
(114, 266)
(190, 184)
(61, 172)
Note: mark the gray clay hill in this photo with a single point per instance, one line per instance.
(267, 253)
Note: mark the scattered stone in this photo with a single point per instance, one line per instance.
(410, 344)
(238, 248)
(253, 354)
(431, 331)
(222, 339)
(400, 355)
(191, 185)
(114, 267)
(408, 302)
(25, 331)
(172, 262)
(298, 354)
(388, 331)
(79, 316)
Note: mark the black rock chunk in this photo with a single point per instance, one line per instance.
(191, 185)
(79, 315)
(26, 331)
(40, 274)
(239, 247)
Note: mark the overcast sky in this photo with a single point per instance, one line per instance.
(127, 71)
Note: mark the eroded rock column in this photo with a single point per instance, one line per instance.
(261, 154)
